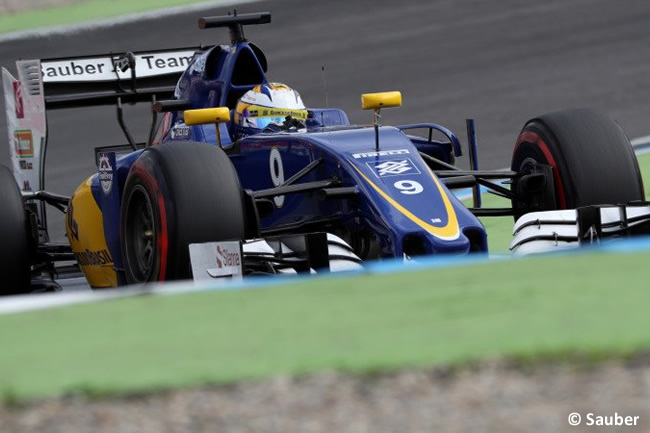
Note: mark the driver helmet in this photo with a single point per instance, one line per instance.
(268, 104)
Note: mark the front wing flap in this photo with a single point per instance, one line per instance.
(312, 253)
(571, 228)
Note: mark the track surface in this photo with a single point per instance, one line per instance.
(500, 63)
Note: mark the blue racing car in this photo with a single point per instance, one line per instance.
(239, 178)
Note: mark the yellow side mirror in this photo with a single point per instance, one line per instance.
(376, 101)
(202, 116)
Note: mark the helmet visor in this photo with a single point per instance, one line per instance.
(263, 122)
(257, 116)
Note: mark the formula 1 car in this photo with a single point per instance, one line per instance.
(193, 201)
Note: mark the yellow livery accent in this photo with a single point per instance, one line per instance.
(251, 110)
(375, 101)
(85, 232)
(449, 231)
(204, 116)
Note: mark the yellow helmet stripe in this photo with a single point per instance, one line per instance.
(261, 111)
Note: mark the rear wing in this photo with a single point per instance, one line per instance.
(69, 82)
(96, 80)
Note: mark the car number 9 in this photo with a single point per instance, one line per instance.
(409, 187)
(277, 174)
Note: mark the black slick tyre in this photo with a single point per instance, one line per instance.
(590, 156)
(14, 254)
(177, 194)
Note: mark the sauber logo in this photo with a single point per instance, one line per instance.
(112, 68)
(18, 98)
(105, 174)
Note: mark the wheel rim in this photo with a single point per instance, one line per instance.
(539, 151)
(140, 235)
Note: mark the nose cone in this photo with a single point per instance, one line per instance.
(412, 197)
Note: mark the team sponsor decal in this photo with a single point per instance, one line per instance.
(24, 143)
(226, 258)
(106, 173)
(395, 167)
(94, 258)
(380, 153)
(25, 165)
(111, 68)
(18, 98)
(250, 110)
(216, 259)
(182, 132)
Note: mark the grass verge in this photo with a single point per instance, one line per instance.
(550, 307)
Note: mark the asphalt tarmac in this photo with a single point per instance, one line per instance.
(500, 63)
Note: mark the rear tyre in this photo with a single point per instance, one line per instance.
(591, 160)
(14, 253)
(177, 194)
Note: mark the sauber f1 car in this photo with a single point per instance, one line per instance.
(197, 201)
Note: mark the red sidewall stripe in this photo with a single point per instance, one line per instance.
(164, 239)
(533, 137)
(162, 244)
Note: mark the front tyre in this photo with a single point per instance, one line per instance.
(590, 157)
(177, 194)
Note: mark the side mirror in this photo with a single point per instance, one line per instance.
(203, 116)
(377, 101)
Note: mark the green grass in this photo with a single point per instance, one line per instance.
(84, 10)
(590, 304)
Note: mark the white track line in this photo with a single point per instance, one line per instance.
(640, 141)
(111, 22)
(641, 144)
(34, 302)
